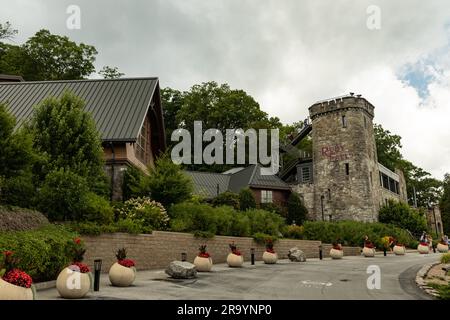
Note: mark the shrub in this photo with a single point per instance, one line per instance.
(98, 209)
(42, 253)
(262, 221)
(246, 199)
(227, 199)
(296, 211)
(189, 217)
(294, 232)
(132, 186)
(275, 208)
(403, 216)
(20, 219)
(91, 228)
(445, 258)
(263, 238)
(18, 191)
(150, 214)
(132, 226)
(63, 195)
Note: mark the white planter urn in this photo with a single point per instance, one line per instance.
(234, 260)
(399, 250)
(203, 264)
(10, 291)
(270, 258)
(423, 249)
(121, 276)
(336, 254)
(73, 284)
(442, 248)
(369, 252)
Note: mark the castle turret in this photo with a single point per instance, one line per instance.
(344, 160)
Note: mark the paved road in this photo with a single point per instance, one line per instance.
(314, 279)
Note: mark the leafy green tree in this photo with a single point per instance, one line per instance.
(133, 184)
(297, 212)
(403, 216)
(46, 56)
(246, 199)
(172, 101)
(388, 147)
(67, 136)
(167, 183)
(6, 31)
(227, 199)
(108, 72)
(444, 204)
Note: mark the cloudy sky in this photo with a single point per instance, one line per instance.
(287, 54)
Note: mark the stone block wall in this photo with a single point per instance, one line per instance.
(157, 250)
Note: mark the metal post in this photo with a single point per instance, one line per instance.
(384, 252)
(97, 269)
(183, 256)
(435, 222)
(320, 252)
(252, 250)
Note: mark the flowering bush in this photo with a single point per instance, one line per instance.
(79, 267)
(146, 211)
(11, 274)
(203, 253)
(18, 278)
(234, 249)
(269, 246)
(121, 256)
(77, 250)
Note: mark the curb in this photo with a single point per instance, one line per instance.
(45, 285)
(420, 279)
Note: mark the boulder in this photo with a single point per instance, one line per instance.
(181, 270)
(296, 255)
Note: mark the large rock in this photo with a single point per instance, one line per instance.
(296, 255)
(181, 270)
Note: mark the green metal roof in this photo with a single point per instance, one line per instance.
(118, 106)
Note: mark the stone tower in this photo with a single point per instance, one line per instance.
(345, 164)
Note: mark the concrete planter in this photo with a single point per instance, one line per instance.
(369, 252)
(234, 260)
(423, 249)
(442, 248)
(336, 254)
(270, 258)
(203, 264)
(121, 276)
(399, 250)
(73, 284)
(9, 291)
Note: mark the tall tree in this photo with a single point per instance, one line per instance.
(172, 101)
(6, 31)
(108, 72)
(445, 204)
(388, 147)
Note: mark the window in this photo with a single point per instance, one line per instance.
(370, 177)
(142, 147)
(329, 194)
(347, 169)
(306, 174)
(365, 122)
(344, 122)
(266, 196)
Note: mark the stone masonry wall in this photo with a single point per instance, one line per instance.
(157, 250)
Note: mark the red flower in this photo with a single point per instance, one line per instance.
(204, 255)
(77, 240)
(424, 244)
(270, 250)
(79, 267)
(8, 253)
(127, 263)
(236, 252)
(18, 278)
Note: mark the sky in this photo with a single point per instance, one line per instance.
(287, 54)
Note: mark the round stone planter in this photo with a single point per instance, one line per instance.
(73, 284)
(369, 252)
(336, 254)
(121, 276)
(270, 258)
(442, 248)
(234, 260)
(9, 291)
(203, 264)
(423, 249)
(399, 250)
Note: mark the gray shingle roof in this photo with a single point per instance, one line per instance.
(118, 106)
(206, 183)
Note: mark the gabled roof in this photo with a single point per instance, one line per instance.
(208, 183)
(118, 106)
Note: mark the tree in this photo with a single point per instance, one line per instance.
(297, 212)
(388, 147)
(246, 199)
(167, 184)
(227, 199)
(444, 204)
(6, 31)
(110, 72)
(48, 57)
(171, 101)
(403, 216)
(67, 137)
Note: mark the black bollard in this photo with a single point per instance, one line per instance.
(183, 256)
(320, 252)
(384, 252)
(97, 269)
(252, 251)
